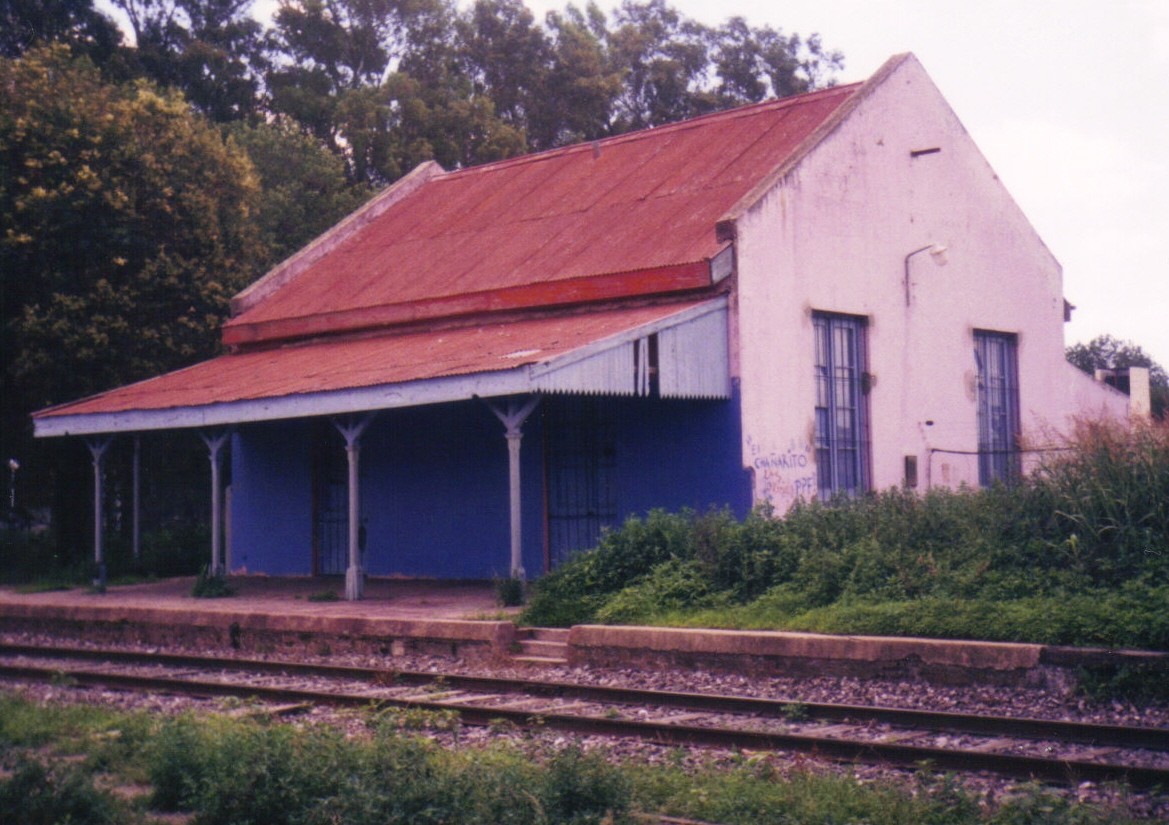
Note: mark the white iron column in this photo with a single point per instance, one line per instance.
(97, 449)
(215, 443)
(513, 419)
(137, 481)
(352, 431)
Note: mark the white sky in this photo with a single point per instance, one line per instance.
(1068, 100)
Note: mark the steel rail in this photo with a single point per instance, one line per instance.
(1089, 733)
(664, 733)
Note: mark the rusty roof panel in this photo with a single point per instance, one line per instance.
(636, 201)
(345, 364)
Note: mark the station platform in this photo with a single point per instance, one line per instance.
(297, 617)
(267, 614)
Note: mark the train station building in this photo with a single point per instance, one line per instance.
(480, 370)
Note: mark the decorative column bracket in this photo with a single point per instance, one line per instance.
(97, 449)
(513, 418)
(215, 441)
(351, 430)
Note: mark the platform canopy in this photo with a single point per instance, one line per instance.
(677, 350)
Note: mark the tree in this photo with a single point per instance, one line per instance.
(1105, 352)
(25, 24)
(303, 187)
(214, 51)
(125, 227)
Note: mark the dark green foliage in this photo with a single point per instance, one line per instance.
(580, 788)
(231, 772)
(1078, 553)
(209, 586)
(40, 794)
(509, 592)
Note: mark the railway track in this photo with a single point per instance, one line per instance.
(1051, 751)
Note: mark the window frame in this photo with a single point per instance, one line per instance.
(996, 358)
(840, 370)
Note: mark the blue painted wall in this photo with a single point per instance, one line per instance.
(434, 483)
(271, 491)
(681, 453)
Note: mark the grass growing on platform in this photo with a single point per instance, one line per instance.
(1077, 553)
(223, 770)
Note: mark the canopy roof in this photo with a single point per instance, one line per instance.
(597, 352)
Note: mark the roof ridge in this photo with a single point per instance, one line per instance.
(697, 121)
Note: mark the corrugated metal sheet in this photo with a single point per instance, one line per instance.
(693, 358)
(635, 202)
(586, 352)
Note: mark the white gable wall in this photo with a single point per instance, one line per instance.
(833, 236)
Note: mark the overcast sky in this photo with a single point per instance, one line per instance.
(1068, 100)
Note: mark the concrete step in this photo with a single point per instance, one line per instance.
(545, 634)
(542, 645)
(545, 661)
(534, 647)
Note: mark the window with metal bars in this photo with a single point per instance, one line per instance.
(999, 459)
(842, 441)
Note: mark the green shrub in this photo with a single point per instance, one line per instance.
(671, 586)
(208, 586)
(509, 592)
(581, 789)
(40, 794)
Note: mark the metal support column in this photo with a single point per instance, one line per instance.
(215, 443)
(97, 449)
(352, 431)
(513, 419)
(136, 523)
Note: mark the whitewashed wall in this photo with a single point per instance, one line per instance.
(833, 236)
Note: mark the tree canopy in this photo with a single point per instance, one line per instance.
(127, 224)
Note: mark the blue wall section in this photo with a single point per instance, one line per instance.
(271, 519)
(434, 484)
(435, 497)
(681, 453)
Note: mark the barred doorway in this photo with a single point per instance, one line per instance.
(330, 503)
(580, 484)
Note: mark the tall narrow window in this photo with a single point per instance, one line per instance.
(998, 407)
(841, 417)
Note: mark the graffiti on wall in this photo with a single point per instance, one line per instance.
(782, 476)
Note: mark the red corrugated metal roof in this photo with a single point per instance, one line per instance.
(634, 203)
(346, 364)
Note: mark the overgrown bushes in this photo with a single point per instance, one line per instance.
(231, 772)
(1077, 553)
(177, 551)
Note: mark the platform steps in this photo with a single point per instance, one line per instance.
(541, 646)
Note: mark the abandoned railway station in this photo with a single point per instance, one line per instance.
(481, 369)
